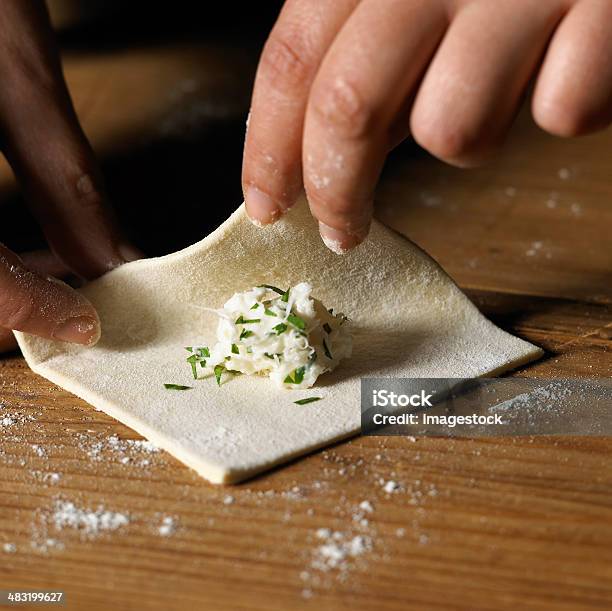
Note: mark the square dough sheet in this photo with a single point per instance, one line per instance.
(408, 319)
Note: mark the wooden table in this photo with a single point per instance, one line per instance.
(518, 523)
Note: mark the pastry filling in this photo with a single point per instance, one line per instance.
(286, 335)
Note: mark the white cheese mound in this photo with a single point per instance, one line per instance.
(288, 336)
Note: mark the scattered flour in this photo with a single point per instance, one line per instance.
(337, 549)
(39, 450)
(128, 451)
(167, 526)
(576, 209)
(9, 548)
(564, 173)
(89, 522)
(391, 486)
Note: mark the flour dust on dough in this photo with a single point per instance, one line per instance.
(408, 319)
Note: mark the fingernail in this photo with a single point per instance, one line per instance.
(339, 241)
(79, 330)
(261, 208)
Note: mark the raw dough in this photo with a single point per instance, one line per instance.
(407, 317)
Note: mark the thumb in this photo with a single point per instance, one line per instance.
(43, 306)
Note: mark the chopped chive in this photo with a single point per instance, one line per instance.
(272, 288)
(235, 349)
(254, 306)
(269, 312)
(280, 328)
(268, 355)
(193, 360)
(203, 352)
(246, 333)
(327, 328)
(307, 400)
(285, 296)
(246, 321)
(298, 376)
(218, 372)
(189, 348)
(296, 321)
(326, 349)
(176, 387)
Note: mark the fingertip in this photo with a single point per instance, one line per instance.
(339, 241)
(84, 330)
(261, 208)
(129, 252)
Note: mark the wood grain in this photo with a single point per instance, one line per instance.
(476, 524)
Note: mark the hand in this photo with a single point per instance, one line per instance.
(55, 166)
(341, 82)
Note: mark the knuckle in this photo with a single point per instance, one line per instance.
(286, 60)
(86, 192)
(16, 310)
(342, 108)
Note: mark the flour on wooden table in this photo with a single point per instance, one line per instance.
(89, 522)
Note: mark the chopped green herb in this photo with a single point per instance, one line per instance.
(193, 361)
(296, 321)
(298, 376)
(255, 306)
(269, 312)
(307, 400)
(176, 387)
(189, 348)
(268, 355)
(272, 288)
(246, 321)
(285, 296)
(326, 349)
(280, 328)
(246, 333)
(235, 349)
(218, 372)
(327, 328)
(199, 355)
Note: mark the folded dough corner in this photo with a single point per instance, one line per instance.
(408, 319)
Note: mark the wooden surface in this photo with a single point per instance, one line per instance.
(521, 523)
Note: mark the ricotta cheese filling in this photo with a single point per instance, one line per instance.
(286, 335)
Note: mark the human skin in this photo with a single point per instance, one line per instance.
(61, 183)
(342, 82)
